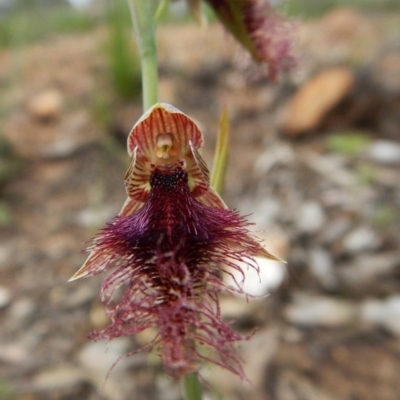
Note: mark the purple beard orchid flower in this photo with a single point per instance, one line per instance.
(261, 30)
(169, 247)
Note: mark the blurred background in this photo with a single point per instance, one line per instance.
(315, 160)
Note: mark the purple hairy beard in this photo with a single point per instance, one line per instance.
(168, 258)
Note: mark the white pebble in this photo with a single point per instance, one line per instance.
(59, 377)
(22, 309)
(100, 356)
(385, 314)
(385, 152)
(361, 239)
(321, 265)
(321, 311)
(5, 296)
(310, 217)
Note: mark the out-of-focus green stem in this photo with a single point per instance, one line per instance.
(142, 18)
(191, 387)
(162, 7)
(221, 153)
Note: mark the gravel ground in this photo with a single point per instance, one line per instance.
(325, 193)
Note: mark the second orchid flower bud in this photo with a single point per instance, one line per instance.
(259, 28)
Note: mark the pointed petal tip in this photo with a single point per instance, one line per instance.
(266, 254)
(78, 275)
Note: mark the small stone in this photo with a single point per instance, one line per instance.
(257, 354)
(59, 377)
(279, 154)
(13, 353)
(5, 296)
(315, 99)
(335, 229)
(46, 105)
(310, 217)
(90, 217)
(106, 367)
(385, 314)
(21, 309)
(73, 134)
(329, 167)
(294, 386)
(321, 265)
(367, 268)
(168, 387)
(100, 356)
(320, 311)
(385, 152)
(361, 239)
(263, 212)
(262, 209)
(60, 149)
(79, 297)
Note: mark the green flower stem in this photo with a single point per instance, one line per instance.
(191, 387)
(161, 9)
(142, 18)
(221, 153)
